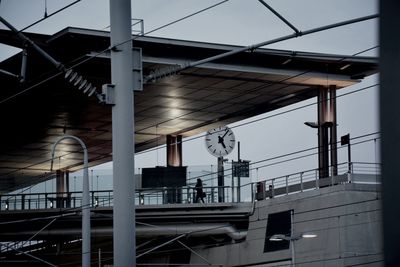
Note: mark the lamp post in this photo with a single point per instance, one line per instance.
(85, 199)
(291, 239)
(323, 148)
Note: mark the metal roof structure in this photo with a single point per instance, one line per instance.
(188, 103)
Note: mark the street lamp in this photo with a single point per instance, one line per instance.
(85, 199)
(323, 147)
(291, 238)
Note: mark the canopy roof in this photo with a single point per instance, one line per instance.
(195, 100)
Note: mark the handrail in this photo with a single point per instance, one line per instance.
(282, 185)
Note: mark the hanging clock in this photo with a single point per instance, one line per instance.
(220, 141)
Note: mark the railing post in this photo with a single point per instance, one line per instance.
(252, 192)
(92, 204)
(22, 202)
(301, 182)
(316, 179)
(272, 194)
(287, 184)
(188, 195)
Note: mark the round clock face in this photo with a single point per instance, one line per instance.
(220, 141)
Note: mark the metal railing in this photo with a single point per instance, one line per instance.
(273, 187)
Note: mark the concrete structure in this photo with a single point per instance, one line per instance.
(346, 219)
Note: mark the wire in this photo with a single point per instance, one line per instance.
(39, 218)
(185, 17)
(49, 15)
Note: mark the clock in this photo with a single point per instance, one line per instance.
(220, 141)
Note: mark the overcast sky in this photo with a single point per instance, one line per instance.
(243, 22)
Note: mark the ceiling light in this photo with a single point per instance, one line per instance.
(345, 66)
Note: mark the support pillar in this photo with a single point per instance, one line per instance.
(123, 134)
(60, 189)
(221, 192)
(323, 149)
(174, 150)
(333, 128)
(389, 65)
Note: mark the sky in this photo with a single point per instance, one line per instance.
(240, 22)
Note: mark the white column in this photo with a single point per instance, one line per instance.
(123, 134)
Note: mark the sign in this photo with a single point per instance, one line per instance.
(345, 139)
(241, 168)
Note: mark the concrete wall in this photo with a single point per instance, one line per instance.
(346, 218)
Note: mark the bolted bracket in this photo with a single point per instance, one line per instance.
(137, 69)
(108, 94)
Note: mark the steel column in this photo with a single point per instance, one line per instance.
(221, 178)
(323, 155)
(333, 128)
(174, 150)
(390, 127)
(123, 134)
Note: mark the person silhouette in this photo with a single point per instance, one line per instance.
(199, 191)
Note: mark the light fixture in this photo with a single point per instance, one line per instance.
(51, 204)
(6, 205)
(279, 99)
(317, 125)
(312, 124)
(309, 235)
(345, 66)
(282, 237)
(286, 61)
(278, 237)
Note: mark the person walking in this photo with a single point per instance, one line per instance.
(199, 191)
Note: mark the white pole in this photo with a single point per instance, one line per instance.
(123, 134)
(85, 200)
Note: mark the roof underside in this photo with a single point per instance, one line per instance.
(188, 103)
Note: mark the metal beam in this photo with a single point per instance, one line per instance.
(35, 46)
(280, 16)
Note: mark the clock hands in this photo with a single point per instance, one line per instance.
(221, 141)
(226, 132)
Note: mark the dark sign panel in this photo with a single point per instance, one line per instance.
(241, 168)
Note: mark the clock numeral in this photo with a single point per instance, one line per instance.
(209, 146)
